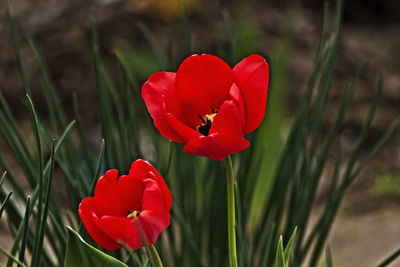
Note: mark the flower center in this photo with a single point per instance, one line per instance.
(133, 214)
(206, 121)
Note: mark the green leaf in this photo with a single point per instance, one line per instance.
(80, 253)
(280, 259)
(289, 246)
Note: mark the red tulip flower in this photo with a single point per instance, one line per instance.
(131, 209)
(207, 105)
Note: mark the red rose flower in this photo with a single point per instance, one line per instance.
(207, 105)
(130, 209)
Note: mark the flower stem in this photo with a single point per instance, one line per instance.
(155, 256)
(231, 212)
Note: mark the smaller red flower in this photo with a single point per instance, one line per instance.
(131, 209)
(207, 105)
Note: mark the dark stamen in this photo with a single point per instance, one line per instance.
(202, 119)
(212, 109)
(204, 129)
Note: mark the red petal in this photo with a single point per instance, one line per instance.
(227, 120)
(238, 100)
(122, 230)
(107, 196)
(216, 146)
(202, 82)
(130, 190)
(152, 197)
(141, 170)
(183, 130)
(153, 223)
(252, 75)
(156, 93)
(86, 208)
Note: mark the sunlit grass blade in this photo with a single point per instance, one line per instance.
(3, 205)
(59, 143)
(36, 127)
(24, 241)
(279, 258)
(42, 228)
(3, 177)
(364, 130)
(337, 196)
(17, 220)
(12, 258)
(375, 148)
(288, 248)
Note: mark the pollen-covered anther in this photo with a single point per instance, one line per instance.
(206, 122)
(133, 215)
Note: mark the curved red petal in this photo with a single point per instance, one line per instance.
(107, 196)
(202, 82)
(141, 170)
(227, 120)
(216, 146)
(153, 223)
(152, 196)
(183, 130)
(157, 94)
(130, 191)
(252, 74)
(122, 230)
(237, 98)
(86, 210)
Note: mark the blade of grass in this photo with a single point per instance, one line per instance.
(36, 127)
(42, 228)
(11, 257)
(268, 247)
(390, 259)
(3, 205)
(3, 177)
(25, 231)
(95, 178)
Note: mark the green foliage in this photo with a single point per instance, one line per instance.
(277, 176)
(80, 253)
(282, 255)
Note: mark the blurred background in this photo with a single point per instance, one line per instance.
(369, 218)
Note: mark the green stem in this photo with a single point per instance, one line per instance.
(231, 212)
(155, 256)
